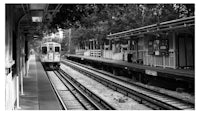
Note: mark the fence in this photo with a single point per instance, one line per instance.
(142, 58)
(80, 51)
(96, 53)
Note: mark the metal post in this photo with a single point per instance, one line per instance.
(69, 34)
(21, 77)
(18, 72)
(109, 45)
(175, 51)
(163, 61)
(93, 44)
(23, 64)
(27, 67)
(137, 51)
(26, 74)
(18, 92)
(129, 45)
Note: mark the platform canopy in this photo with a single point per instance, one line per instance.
(154, 28)
(36, 16)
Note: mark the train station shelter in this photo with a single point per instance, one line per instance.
(22, 26)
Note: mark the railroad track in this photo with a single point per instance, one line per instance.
(75, 96)
(149, 97)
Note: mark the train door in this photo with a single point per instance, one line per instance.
(57, 53)
(50, 53)
(185, 51)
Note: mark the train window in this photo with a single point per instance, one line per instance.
(57, 49)
(44, 50)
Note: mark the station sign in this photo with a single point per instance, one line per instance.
(150, 72)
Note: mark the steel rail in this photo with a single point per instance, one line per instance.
(60, 76)
(90, 95)
(144, 97)
(57, 94)
(129, 82)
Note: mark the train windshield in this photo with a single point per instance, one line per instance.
(44, 50)
(57, 49)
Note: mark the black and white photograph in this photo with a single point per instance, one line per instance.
(99, 56)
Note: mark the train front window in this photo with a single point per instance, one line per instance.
(57, 49)
(44, 50)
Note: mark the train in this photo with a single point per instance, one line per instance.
(50, 54)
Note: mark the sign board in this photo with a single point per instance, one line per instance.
(158, 47)
(150, 72)
(164, 47)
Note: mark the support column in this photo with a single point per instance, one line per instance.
(18, 70)
(27, 67)
(69, 43)
(129, 45)
(21, 79)
(137, 52)
(26, 56)
(17, 102)
(164, 61)
(90, 43)
(94, 44)
(114, 47)
(22, 64)
(110, 44)
(175, 50)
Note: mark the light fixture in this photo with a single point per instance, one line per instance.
(37, 15)
(36, 19)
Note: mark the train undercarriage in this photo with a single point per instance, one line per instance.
(51, 65)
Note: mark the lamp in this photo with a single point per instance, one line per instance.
(36, 15)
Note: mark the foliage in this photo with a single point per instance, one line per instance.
(99, 20)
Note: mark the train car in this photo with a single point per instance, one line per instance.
(50, 54)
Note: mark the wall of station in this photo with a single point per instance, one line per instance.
(14, 56)
(10, 80)
(170, 49)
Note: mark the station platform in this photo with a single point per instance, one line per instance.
(38, 92)
(181, 74)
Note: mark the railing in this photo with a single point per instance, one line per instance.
(162, 61)
(96, 53)
(107, 54)
(143, 57)
(80, 51)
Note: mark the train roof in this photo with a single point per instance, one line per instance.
(54, 43)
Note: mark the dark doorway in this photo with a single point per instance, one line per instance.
(185, 51)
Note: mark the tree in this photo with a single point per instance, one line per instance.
(99, 20)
